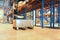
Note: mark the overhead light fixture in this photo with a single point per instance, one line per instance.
(27, 0)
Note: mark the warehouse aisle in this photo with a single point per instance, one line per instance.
(8, 33)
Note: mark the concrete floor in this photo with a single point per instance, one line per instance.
(8, 33)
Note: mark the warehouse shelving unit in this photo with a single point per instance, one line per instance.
(42, 5)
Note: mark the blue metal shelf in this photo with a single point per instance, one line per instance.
(59, 15)
(42, 12)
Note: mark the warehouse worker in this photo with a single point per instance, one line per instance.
(5, 17)
(13, 11)
(10, 15)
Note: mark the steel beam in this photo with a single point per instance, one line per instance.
(59, 15)
(42, 12)
(34, 13)
(51, 12)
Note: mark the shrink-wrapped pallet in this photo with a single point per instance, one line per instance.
(23, 23)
